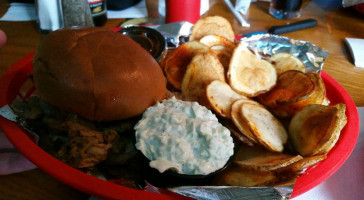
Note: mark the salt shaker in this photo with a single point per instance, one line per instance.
(76, 13)
(56, 14)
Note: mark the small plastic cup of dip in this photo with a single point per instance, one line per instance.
(150, 39)
(171, 178)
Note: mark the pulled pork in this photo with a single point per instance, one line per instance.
(86, 146)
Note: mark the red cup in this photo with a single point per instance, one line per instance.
(182, 10)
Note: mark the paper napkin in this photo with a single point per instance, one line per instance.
(356, 47)
(11, 161)
(20, 12)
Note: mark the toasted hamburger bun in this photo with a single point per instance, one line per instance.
(98, 74)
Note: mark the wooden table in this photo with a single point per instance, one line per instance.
(334, 25)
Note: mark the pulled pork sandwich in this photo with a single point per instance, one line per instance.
(91, 84)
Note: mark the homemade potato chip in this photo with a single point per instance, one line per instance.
(250, 168)
(261, 159)
(199, 68)
(326, 101)
(223, 54)
(285, 181)
(289, 173)
(217, 40)
(285, 61)
(202, 70)
(316, 128)
(341, 122)
(298, 167)
(319, 95)
(221, 97)
(293, 91)
(237, 133)
(221, 46)
(176, 64)
(267, 130)
(248, 74)
(238, 176)
(238, 120)
(212, 25)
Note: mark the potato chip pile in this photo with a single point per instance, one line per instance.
(275, 108)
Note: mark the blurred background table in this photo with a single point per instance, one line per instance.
(334, 25)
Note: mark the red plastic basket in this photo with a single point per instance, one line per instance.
(14, 78)
(360, 8)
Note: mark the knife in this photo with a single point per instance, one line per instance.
(308, 23)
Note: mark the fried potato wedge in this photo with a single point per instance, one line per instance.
(261, 159)
(176, 64)
(217, 40)
(285, 61)
(238, 176)
(221, 97)
(316, 128)
(202, 70)
(248, 74)
(239, 122)
(212, 25)
(267, 130)
(293, 91)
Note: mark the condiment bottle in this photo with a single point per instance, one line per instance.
(98, 11)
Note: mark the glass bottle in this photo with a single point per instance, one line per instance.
(98, 11)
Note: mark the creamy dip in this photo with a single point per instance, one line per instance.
(184, 136)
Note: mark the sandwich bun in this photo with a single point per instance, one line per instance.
(98, 74)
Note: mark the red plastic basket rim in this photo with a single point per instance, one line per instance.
(9, 82)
